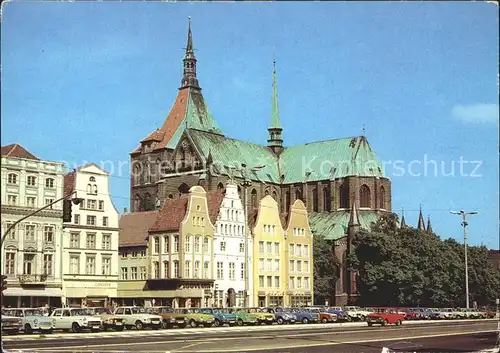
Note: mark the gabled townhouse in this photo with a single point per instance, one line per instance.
(231, 247)
(31, 253)
(90, 241)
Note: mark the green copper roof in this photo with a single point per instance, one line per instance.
(197, 117)
(329, 160)
(275, 112)
(333, 225)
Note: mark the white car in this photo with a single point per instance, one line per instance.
(10, 324)
(75, 319)
(138, 317)
(357, 313)
(32, 319)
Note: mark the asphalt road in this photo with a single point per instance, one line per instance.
(439, 338)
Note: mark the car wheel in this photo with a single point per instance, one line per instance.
(193, 323)
(139, 325)
(324, 320)
(362, 318)
(164, 325)
(240, 322)
(385, 322)
(217, 323)
(75, 327)
(280, 321)
(27, 329)
(399, 322)
(305, 320)
(348, 318)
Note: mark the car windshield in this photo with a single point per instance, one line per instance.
(256, 310)
(225, 310)
(195, 311)
(81, 312)
(166, 310)
(10, 312)
(210, 311)
(33, 312)
(100, 311)
(137, 310)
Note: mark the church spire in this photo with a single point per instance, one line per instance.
(189, 78)
(429, 226)
(421, 222)
(403, 221)
(354, 218)
(275, 139)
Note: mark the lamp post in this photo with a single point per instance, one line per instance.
(464, 224)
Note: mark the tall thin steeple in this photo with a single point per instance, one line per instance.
(429, 226)
(189, 78)
(354, 217)
(403, 221)
(275, 130)
(421, 222)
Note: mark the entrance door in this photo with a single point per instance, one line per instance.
(262, 302)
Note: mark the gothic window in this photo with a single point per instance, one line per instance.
(315, 200)
(89, 188)
(183, 156)
(220, 186)
(382, 197)
(364, 196)
(95, 189)
(147, 202)
(298, 195)
(287, 201)
(137, 203)
(184, 188)
(275, 195)
(149, 176)
(344, 196)
(326, 199)
(254, 198)
(137, 174)
(267, 192)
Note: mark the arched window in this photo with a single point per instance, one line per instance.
(344, 196)
(137, 174)
(287, 201)
(184, 188)
(275, 195)
(220, 186)
(326, 199)
(345, 273)
(197, 244)
(166, 246)
(149, 176)
(137, 203)
(166, 270)
(92, 179)
(95, 189)
(364, 196)
(266, 192)
(158, 168)
(254, 198)
(147, 202)
(205, 245)
(187, 244)
(298, 195)
(315, 200)
(382, 197)
(89, 188)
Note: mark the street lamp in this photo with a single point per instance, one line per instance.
(464, 223)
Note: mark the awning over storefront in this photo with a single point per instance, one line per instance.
(20, 292)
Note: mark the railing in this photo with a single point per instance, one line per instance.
(32, 279)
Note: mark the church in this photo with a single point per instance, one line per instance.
(340, 181)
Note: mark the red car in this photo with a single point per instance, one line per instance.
(385, 316)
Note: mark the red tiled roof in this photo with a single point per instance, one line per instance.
(134, 227)
(214, 201)
(69, 182)
(156, 135)
(18, 151)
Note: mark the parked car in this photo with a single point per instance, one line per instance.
(384, 316)
(222, 317)
(243, 317)
(138, 317)
(169, 317)
(303, 315)
(108, 318)
(263, 316)
(341, 314)
(323, 315)
(195, 317)
(281, 316)
(75, 319)
(32, 319)
(11, 324)
(356, 313)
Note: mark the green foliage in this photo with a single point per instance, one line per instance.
(325, 269)
(410, 267)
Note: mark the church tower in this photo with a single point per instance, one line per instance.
(275, 130)
(189, 78)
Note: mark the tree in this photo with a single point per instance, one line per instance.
(325, 269)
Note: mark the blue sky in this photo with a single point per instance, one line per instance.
(86, 81)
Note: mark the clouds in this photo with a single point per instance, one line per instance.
(476, 113)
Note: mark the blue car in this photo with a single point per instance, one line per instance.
(282, 315)
(304, 316)
(341, 314)
(222, 317)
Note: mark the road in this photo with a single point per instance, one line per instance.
(421, 337)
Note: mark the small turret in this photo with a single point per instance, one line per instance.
(421, 222)
(275, 130)
(403, 221)
(429, 226)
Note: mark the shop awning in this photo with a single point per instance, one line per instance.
(20, 292)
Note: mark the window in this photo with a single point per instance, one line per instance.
(299, 250)
(92, 179)
(269, 247)
(176, 243)
(48, 234)
(12, 233)
(12, 200)
(77, 219)
(299, 266)
(10, 262)
(90, 240)
(142, 253)
(269, 281)
(49, 183)
(276, 265)
(382, 198)
(47, 264)
(156, 269)
(143, 272)
(12, 178)
(31, 201)
(242, 271)
(269, 265)
(166, 246)
(104, 221)
(315, 200)
(306, 282)
(276, 281)
(222, 246)
(206, 273)
(277, 248)
(196, 273)
(291, 249)
(106, 241)
(74, 264)
(187, 244)
(187, 269)
(306, 266)
(220, 270)
(101, 205)
(261, 281)
(343, 196)
(91, 204)
(124, 273)
(326, 199)
(242, 247)
(305, 250)
(261, 247)
(176, 269)
(232, 271)
(166, 269)
(292, 266)
(205, 245)
(156, 245)
(254, 198)
(124, 254)
(90, 265)
(261, 265)
(364, 196)
(48, 202)
(91, 221)
(299, 282)
(197, 244)
(133, 273)
(106, 266)
(298, 195)
(29, 234)
(292, 282)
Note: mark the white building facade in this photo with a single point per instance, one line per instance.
(230, 268)
(90, 243)
(32, 251)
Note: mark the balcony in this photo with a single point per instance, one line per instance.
(27, 280)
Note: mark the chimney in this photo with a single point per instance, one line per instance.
(125, 210)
